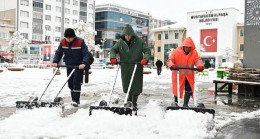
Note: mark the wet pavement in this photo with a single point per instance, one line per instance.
(238, 129)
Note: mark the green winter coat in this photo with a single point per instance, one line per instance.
(137, 51)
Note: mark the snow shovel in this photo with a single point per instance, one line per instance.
(197, 107)
(127, 109)
(36, 103)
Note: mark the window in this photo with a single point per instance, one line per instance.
(159, 36)
(36, 36)
(47, 38)
(57, 39)
(25, 2)
(75, 12)
(67, 1)
(47, 27)
(90, 24)
(90, 15)
(67, 11)
(3, 35)
(24, 24)
(37, 15)
(83, 4)
(48, 17)
(241, 32)
(37, 4)
(58, 29)
(34, 50)
(74, 21)
(166, 37)
(83, 13)
(25, 35)
(24, 13)
(176, 35)
(159, 49)
(241, 47)
(67, 20)
(90, 6)
(48, 7)
(58, 9)
(174, 45)
(75, 2)
(37, 26)
(58, 19)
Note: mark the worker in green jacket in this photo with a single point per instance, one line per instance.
(131, 49)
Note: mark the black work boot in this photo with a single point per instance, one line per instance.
(186, 99)
(129, 101)
(175, 103)
(134, 100)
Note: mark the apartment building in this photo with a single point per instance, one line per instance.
(44, 21)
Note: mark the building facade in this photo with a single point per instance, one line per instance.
(110, 21)
(214, 33)
(44, 21)
(7, 28)
(240, 41)
(167, 38)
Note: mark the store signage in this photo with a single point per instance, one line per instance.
(209, 17)
(133, 13)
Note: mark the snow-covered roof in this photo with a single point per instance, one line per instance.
(176, 26)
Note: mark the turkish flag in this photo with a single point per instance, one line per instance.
(208, 39)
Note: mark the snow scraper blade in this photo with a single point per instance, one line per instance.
(127, 109)
(196, 109)
(118, 110)
(35, 104)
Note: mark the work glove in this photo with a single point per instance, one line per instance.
(143, 62)
(113, 61)
(173, 67)
(200, 68)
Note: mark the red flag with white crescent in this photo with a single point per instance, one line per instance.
(208, 39)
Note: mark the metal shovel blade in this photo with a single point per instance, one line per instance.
(27, 104)
(35, 104)
(118, 110)
(196, 109)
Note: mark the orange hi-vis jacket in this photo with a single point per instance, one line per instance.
(180, 59)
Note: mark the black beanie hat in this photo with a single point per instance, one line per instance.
(69, 33)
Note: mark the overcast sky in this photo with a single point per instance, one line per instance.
(176, 10)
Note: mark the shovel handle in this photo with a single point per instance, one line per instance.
(68, 66)
(126, 62)
(178, 68)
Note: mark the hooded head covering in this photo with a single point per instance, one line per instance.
(128, 30)
(69, 33)
(188, 42)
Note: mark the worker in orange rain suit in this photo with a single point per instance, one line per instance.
(184, 56)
